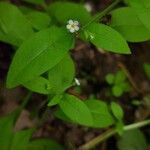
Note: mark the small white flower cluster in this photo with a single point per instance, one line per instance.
(73, 26)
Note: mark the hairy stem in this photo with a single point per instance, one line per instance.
(100, 138)
(103, 13)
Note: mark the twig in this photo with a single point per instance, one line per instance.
(103, 13)
(124, 69)
(100, 138)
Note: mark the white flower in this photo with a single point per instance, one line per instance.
(73, 26)
(88, 7)
(77, 81)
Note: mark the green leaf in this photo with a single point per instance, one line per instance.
(119, 77)
(142, 10)
(117, 111)
(55, 100)
(38, 54)
(64, 11)
(22, 136)
(147, 69)
(105, 37)
(100, 112)
(110, 78)
(76, 110)
(144, 16)
(146, 3)
(118, 114)
(125, 86)
(62, 75)
(25, 10)
(126, 21)
(132, 140)
(35, 1)
(61, 115)
(39, 20)
(9, 140)
(138, 3)
(39, 85)
(117, 90)
(6, 125)
(14, 27)
(44, 144)
(119, 127)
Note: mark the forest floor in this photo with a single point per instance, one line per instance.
(92, 66)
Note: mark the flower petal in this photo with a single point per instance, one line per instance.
(72, 30)
(76, 23)
(68, 26)
(76, 28)
(70, 22)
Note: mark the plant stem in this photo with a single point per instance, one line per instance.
(111, 132)
(103, 13)
(23, 105)
(100, 138)
(26, 100)
(137, 125)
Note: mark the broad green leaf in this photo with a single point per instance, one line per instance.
(44, 144)
(39, 85)
(6, 125)
(64, 11)
(62, 75)
(39, 20)
(11, 140)
(117, 110)
(132, 140)
(105, 37)
(146, 3)
(100, 112)
(147, 69)
(14, 27)
(126, 21)
(20, 140)
(138, 3)
(61, 115)
(144, 16)
(142, 10)
(55, 100)
(76, 110)
(35, 1)
(38, 54)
